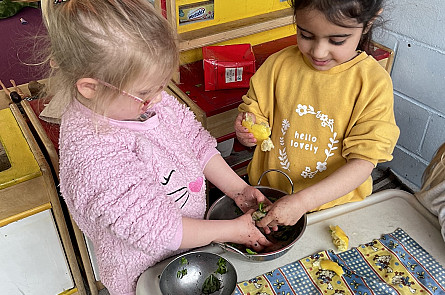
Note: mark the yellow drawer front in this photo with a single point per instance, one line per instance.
(23, 164)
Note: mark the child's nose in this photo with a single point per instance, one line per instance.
(319, 50)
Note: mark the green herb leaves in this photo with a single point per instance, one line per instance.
(222, 268)
(181, 273)
(211, 284)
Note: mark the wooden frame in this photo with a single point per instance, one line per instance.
(218, 125)
(45, 194)
(388, 62)
(93, 285)
(230, 30)
(223, 32)
(235, 29)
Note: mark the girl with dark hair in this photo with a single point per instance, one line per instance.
(329, 106)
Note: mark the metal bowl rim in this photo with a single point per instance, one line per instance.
(225, 196)
(284, 249)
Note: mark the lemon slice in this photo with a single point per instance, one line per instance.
(260, 131)
(331, 265)
(339, 238)
(267, 145)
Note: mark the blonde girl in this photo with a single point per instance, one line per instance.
(133, 160)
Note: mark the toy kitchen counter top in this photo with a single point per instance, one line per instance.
(381, 213)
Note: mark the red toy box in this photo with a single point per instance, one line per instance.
(228, 66)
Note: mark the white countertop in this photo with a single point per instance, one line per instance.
(380, 213)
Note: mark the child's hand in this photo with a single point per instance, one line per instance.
(286, 211)
(249, 234)
(249, 198)
(242, 134)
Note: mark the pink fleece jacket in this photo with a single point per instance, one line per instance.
(128, 183)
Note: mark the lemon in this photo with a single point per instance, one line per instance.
(331, 265)
(260, 131)
(267, 145)
(339, 238)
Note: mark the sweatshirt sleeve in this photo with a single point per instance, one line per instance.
(184, 119)
(261, 86)
(372, 133)
(118, 194)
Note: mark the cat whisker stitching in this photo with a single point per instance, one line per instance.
(181, 196)
(174, 192)
(185, 201)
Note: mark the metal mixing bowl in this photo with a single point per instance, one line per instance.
(226, 208)
(198, 266)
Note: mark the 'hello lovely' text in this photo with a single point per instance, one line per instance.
(304, 141)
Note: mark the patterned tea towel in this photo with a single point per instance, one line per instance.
(393, 264)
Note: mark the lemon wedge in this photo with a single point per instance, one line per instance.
(331, 265)
(267, 145)
(339, 238)
(260, 131)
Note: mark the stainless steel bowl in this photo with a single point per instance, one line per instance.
(198, 266)
(226, 208)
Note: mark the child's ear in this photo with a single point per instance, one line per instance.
(87, 87)
(371, 22)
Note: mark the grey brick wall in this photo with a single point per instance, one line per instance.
(415, 30)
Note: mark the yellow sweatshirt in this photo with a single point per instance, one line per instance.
(320, 119)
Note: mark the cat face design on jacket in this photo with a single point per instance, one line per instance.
(182, 194)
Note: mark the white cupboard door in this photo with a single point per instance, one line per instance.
(32, 259)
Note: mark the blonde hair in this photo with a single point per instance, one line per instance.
(435, 171)
(115, 41)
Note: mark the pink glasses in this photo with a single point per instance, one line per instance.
(138, 99)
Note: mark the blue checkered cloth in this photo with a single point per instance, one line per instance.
(393, 264)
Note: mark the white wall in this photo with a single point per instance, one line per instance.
(416, 32)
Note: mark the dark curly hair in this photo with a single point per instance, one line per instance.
(366, 12)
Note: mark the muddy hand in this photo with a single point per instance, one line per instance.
(249, 198)
(255, 239)
(285, 211)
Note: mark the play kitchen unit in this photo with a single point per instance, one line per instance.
(209, 79)
(43, 252)
(36, 250)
